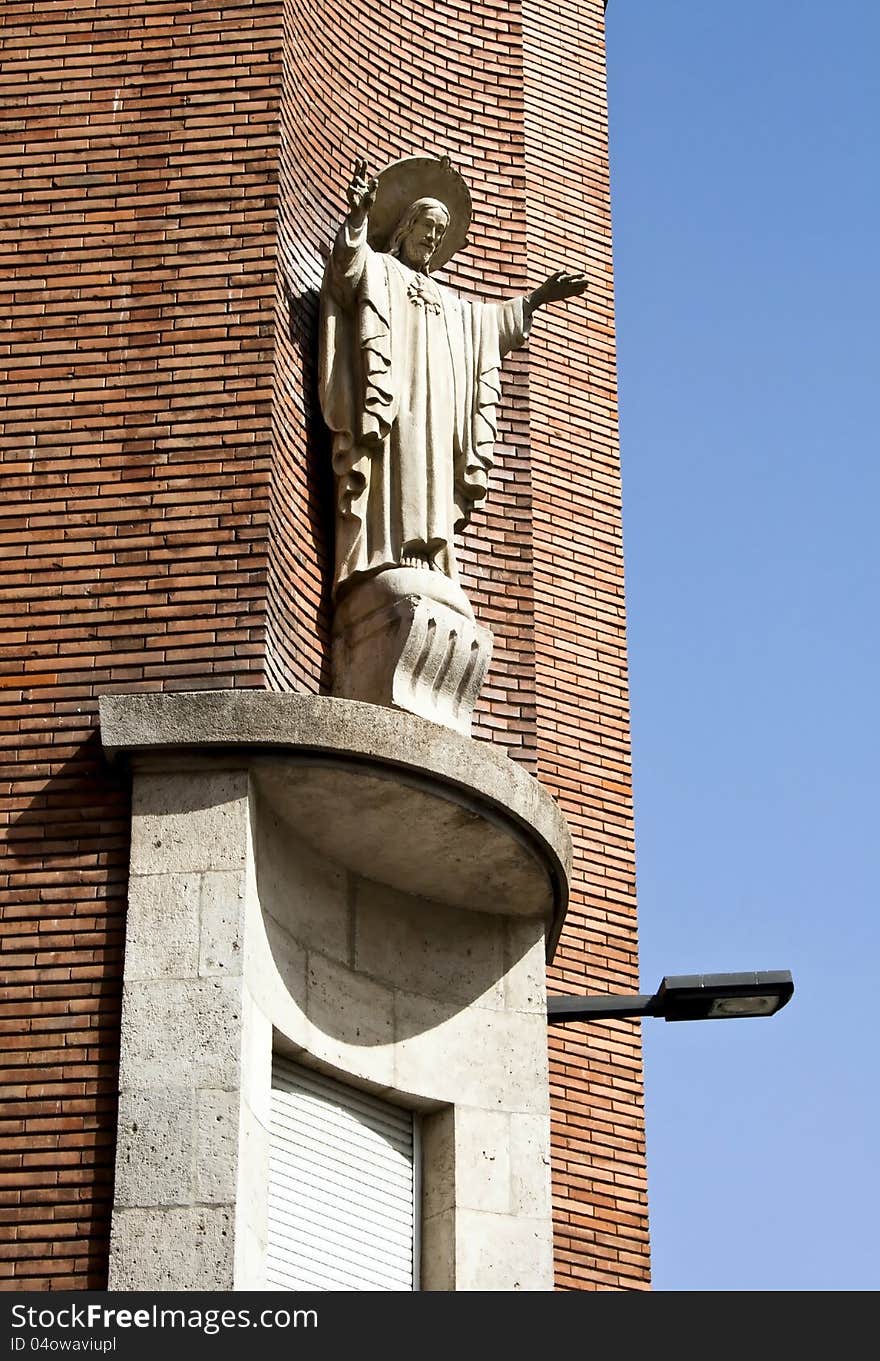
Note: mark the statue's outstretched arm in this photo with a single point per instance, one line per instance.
(361, 194)
(350, 247)
(559, 285)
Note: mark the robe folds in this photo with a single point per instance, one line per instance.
(409, 385)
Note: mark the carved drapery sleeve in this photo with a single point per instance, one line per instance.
(489, 331)
(356, 394)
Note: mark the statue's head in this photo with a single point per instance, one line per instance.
(421, 212)
(418, 234)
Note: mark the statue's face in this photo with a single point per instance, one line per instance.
(423, 237)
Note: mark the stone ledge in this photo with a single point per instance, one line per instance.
(371, 767)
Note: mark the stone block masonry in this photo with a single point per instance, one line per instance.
(251, 816)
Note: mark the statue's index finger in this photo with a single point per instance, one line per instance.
(360, 167)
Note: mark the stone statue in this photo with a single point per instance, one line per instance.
(409, 385)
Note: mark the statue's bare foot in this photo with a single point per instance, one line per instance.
(415, 560)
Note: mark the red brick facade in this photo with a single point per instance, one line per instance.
(167, 515)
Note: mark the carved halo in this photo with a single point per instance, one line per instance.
(415, 177)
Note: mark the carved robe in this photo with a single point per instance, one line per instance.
(409, 383)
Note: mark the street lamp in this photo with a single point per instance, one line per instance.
(685, 997)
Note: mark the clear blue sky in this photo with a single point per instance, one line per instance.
(746, 198)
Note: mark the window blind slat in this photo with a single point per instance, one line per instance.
(341, 1186)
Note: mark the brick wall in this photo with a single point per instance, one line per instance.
(580, 649)
(136, 347)
(170, 509)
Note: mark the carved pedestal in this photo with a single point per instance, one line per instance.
(407, 639)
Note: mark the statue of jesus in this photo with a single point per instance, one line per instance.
(409, 372)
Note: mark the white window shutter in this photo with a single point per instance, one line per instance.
(342, 1187)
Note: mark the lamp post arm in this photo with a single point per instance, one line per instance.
(603, 1008)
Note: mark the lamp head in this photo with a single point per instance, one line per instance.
(719, 996)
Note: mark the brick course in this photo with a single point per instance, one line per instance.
(167, 518)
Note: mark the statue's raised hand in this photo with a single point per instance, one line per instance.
(559, 285)
(361, 193)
